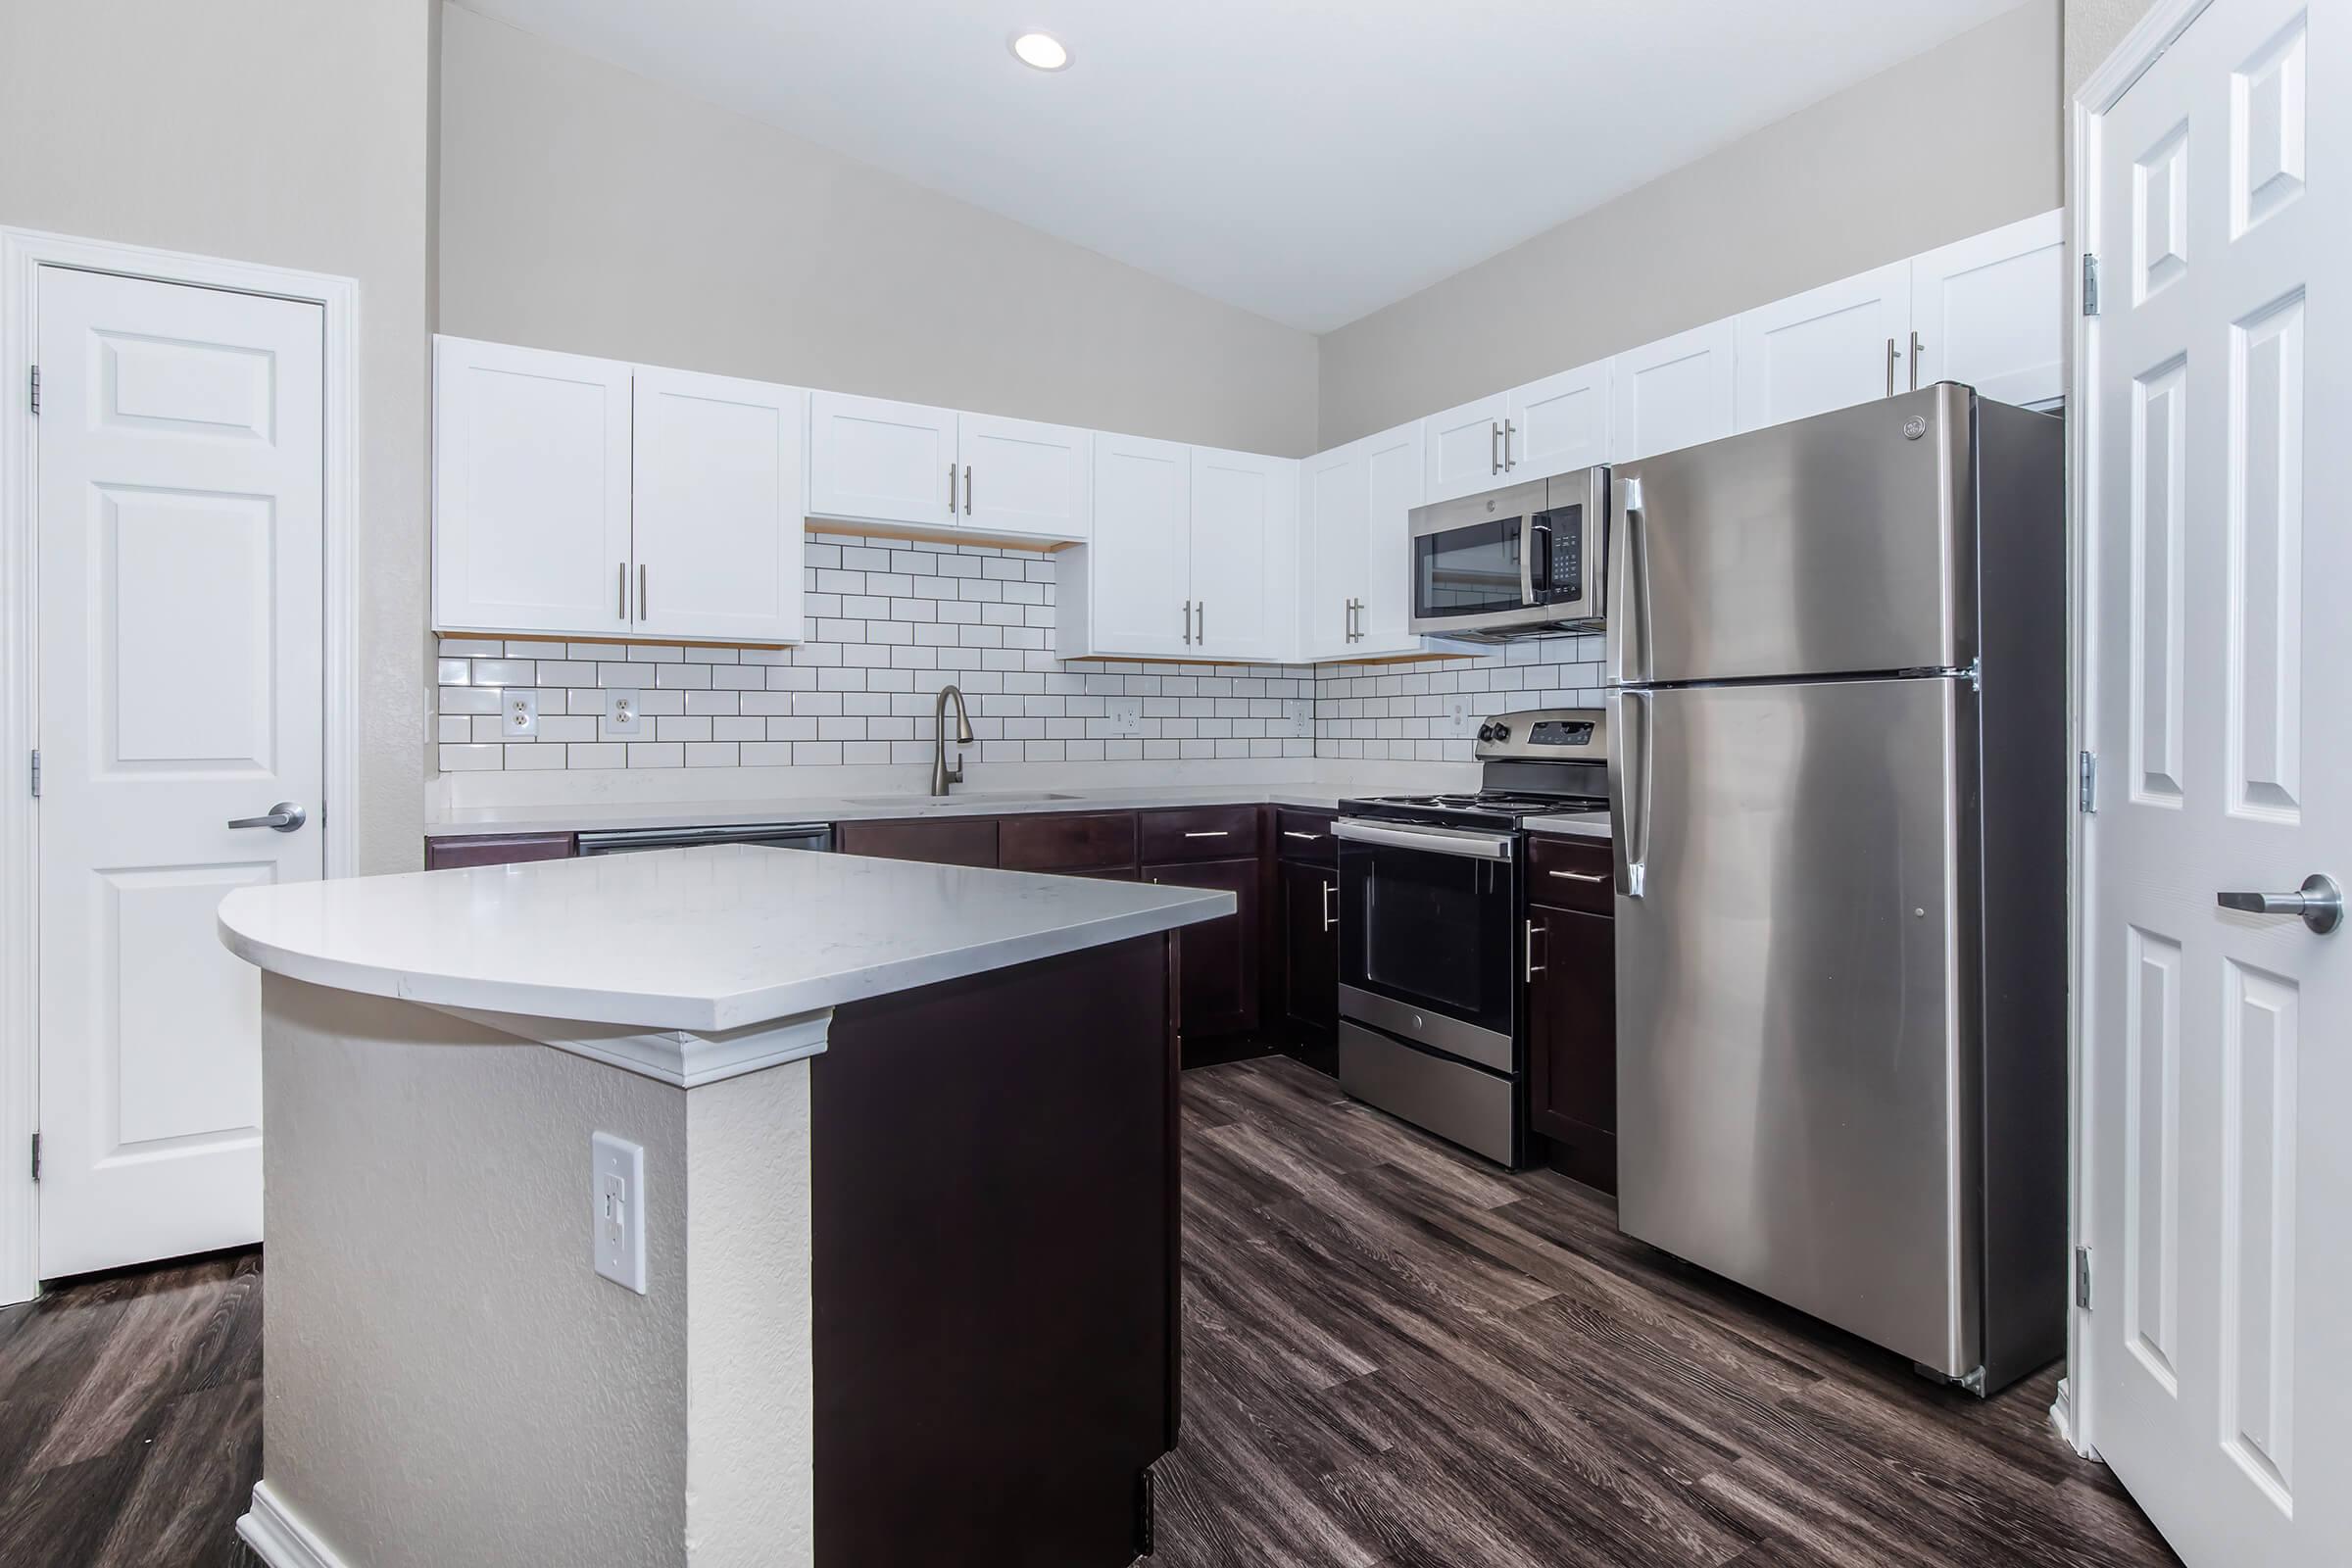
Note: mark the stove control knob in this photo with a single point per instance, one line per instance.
(1485, 732)
(1503, 732)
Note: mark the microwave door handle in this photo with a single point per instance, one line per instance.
(1539, 549)
(1527, 564)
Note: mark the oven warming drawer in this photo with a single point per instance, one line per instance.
(1451, 1099)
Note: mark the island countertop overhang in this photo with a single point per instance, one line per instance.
(706, 940)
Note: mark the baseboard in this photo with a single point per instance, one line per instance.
(279, 1539)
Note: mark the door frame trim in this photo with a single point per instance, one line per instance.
(2075, 1412)
(21, 251)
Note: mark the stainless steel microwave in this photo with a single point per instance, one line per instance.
(1526, 560)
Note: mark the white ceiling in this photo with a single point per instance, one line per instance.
(1308, 160)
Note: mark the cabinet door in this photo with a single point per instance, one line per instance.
(943, 841)
(1675, 392)
(1334, 519)
(530, 490)
(1464, 454)
(1025, 478)
(878, 461)
(1245, 522)
(718, 534)
(1307, 928)
(453, 851)
(1217, 967)
(1990, 311)
(1828, 348)
(1138, 567)
(1392, 483)
(1572, 1042)
(1558, 424)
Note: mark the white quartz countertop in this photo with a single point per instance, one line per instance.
(1590, 826)
(703, 939)
(618, 816)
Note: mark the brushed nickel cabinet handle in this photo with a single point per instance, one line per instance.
(1509, 461)
(1219, 833)
(641, 576)
(1533, 968)
(1580, 877)
(1916, 346)
(967, 489)
(1188, 622)
(1494, 449)
(1330, 916)
(1294, 833)
(622, 609)
(1892, 354)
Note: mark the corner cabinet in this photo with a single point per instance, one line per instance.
(1354, 557)
(934, 469)
(585, 498)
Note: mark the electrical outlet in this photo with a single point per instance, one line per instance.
(622, 716)
(1298, 719)
(616, 1197)
(1457, 716)
(1126, 716)
(518, 714)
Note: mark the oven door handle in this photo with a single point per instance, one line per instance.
(1430, 840)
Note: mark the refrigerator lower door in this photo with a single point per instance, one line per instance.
(1795, 1054)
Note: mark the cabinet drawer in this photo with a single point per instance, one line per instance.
(1572, 873)
(446, 853)
(950, 840)
(1200, 833)
(1304, 835)
(1066, 842)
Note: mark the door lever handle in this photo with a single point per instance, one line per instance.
(285, 816)
(2320, 902)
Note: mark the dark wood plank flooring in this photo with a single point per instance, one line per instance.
(1395, 1357)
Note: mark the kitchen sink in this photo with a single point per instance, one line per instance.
(991, 796)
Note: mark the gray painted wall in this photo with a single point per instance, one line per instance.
(292, 134)
(587, 209)
(2093, 27)
(1960, 140)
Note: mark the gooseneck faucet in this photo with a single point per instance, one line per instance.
(942, 775)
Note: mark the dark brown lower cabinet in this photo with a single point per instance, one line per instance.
(1572, 1042)
(1306, 937)
(496, 849)
(942, 841)
(1217, 961)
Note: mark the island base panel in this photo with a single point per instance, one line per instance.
(995, 1264)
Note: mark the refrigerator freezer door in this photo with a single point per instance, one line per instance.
(1842, 544)
(1795, 1034)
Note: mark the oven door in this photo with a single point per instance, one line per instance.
(1429, 943)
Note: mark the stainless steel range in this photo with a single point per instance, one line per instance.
(1432, 951)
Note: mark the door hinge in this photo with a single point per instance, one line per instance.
(36, 1156)
(36, 775)
(1143, 1512)
(2091, 284)
(2086, 783)
(2082, 1277)
(36, 389)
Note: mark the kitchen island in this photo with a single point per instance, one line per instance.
(906, 1284)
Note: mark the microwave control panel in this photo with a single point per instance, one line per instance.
(1565, 571)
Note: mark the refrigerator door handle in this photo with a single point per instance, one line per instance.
(1628, 644)
(1629, 780)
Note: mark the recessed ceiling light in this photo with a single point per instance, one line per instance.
(1042, 50)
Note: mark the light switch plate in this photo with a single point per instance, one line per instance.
(518, 714)
(1298, 719)
(1126, 716)
(616, 1198)
(622, 716)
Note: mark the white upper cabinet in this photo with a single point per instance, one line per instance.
(1828, 348)
(1990, 311)
(1394, 472)
(720, 540)
(873, 460)
(1130, 590)
(1355, 557)
(530, 491)
(1244, 510)
(1558, 424)
(1464, 448)
(1024, 478)
(1675, 392)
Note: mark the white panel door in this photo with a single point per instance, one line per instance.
(873, 460)
(1990, 311)
(180, 557)
(1674, 393)
(2218, 1085)
(1139, 564)
(530, 490)
(1021, 477)
(1828, 348)
(1393, 468)
(718, 534)
(1558, 424)
(1334, 527)
(1464, 448)
(1245, 512)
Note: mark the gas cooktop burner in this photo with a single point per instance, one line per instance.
(1495, 802)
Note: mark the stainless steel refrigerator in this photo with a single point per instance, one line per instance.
(1837, 661)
